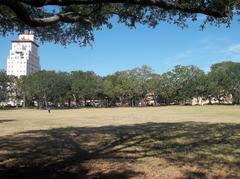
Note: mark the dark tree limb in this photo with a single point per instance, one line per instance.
(19, 8)
(76, 20)
(22, 13)
(184, 7)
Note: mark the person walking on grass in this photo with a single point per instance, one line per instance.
(49, 109)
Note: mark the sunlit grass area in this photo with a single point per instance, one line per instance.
(158, 142)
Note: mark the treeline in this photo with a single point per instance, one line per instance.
(181, 84)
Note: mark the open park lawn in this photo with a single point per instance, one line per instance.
(157, 142)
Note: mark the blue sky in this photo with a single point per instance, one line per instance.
(121, 48)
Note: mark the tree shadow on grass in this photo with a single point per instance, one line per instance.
(105, 152)
(6, 120)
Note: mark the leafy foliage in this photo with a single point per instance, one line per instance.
(3, 85)
(63, 22)
(225, 79)
(178, 86)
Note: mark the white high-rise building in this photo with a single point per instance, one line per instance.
(23, 58)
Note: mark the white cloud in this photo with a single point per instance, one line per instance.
(183, 55)
(178, 58)
(231, 52)
(234, 48)
(208, 52)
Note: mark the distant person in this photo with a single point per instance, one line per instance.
(49, 109)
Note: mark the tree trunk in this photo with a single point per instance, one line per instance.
(167, 102)
(45, 103)
(238, 101)
(24, 101)
(69, 103)
(38, 104)
(16, 102)
(210, 100)
(198, 100)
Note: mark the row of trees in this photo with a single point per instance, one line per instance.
(127, 87)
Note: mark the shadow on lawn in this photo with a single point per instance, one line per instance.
(6, 120)
(75, 152)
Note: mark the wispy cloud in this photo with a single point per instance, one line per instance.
(203, 54)
(178, 58)
(231, 52)
(234, 48)
(208, 52)
(181, 56)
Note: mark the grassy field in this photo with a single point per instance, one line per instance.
(158, 142)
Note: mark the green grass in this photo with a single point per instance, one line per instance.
(158, 142)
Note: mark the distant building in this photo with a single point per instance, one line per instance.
(23, 58)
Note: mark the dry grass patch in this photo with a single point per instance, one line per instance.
(168, 142)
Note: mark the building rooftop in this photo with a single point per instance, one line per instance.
(23, 40)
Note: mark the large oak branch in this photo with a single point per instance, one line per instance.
(22, 13)
(19, 8)
(184, 7)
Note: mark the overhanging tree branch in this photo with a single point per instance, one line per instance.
(22, 13)
(17, 6)
(184, 7)
(76, 20)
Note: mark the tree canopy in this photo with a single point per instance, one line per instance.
(131, 87)
(3, 85)
(66, 21)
